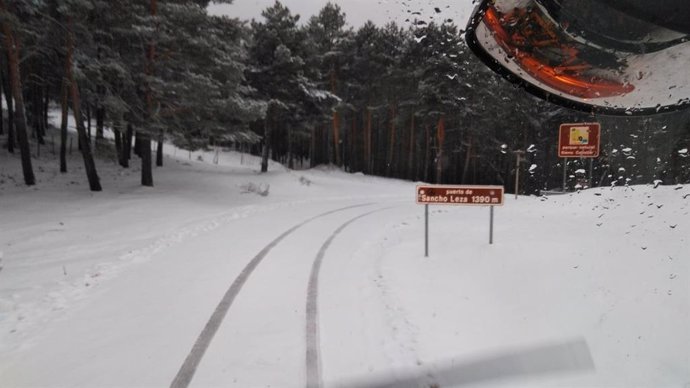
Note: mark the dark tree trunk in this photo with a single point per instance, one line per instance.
(312, 147)
(118, 144)
(64, 101)
(410, 156)
(352, 158)
(41, 113)
(368, 143)
(89, 164)
(88, 121)
(127, 146)
(468, 159)
(137, 145)
(427, 152)
(119, 136)
(12, 47)
(46, 106)
(2, 116)
(441, 136)
(291, 161)
(159, 152)
(391, 145)
(144, 141)
(38, 114)
(100, 123)
(10, 110)
(267, 144)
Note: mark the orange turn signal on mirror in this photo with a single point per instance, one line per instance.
(554, 76)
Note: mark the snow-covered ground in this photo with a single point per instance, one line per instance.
(114, 288)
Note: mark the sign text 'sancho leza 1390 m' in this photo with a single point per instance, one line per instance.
(460, 195)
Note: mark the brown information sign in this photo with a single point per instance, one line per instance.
(579, 140)
(460, 195)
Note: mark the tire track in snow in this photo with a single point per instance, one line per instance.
(313, 358)
(186, 373)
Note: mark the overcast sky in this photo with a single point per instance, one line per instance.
(358, 11)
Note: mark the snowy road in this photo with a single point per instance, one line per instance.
(263, 341)
(260, 321)
(114, 290)
(279, 285)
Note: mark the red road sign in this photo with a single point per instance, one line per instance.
(579, 140)
(460, 195)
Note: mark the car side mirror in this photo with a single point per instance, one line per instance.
(585, 54)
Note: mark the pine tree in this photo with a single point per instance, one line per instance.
(12, 42)
(327, 34)
(281, 77)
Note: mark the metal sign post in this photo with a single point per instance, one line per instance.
(426, 230)
(517, 171)
(459, 196)
(565, 174)
(491, 226)
(591, 171)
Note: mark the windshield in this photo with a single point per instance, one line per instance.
(344, 194)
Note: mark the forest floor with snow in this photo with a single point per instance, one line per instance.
(113, 288)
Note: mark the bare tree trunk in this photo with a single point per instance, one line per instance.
(336, 137)
(427, 152)
(159, 151)
(267, 144)
(46, 107)
(38, 114)
(291, 162)
(12, 47)
(10, 110)
(468, 159)
(100, 123)
(368, 141)
(64, 101)
(137, 144)
(89, 164)
(144, 141)
(391, 145)
(312, 147)
(88, 122)
(127, 146)
(119, 136)
(336, 118)
(352, 159)
(410, 156)
(2, 116)
(441, 135)
(41, 113)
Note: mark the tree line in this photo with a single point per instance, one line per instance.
(407, 101)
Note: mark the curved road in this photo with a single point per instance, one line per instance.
(269, 328)
(237, 306)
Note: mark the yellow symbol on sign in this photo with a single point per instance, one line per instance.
(579, 135)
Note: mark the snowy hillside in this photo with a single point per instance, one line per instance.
(114, 288)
